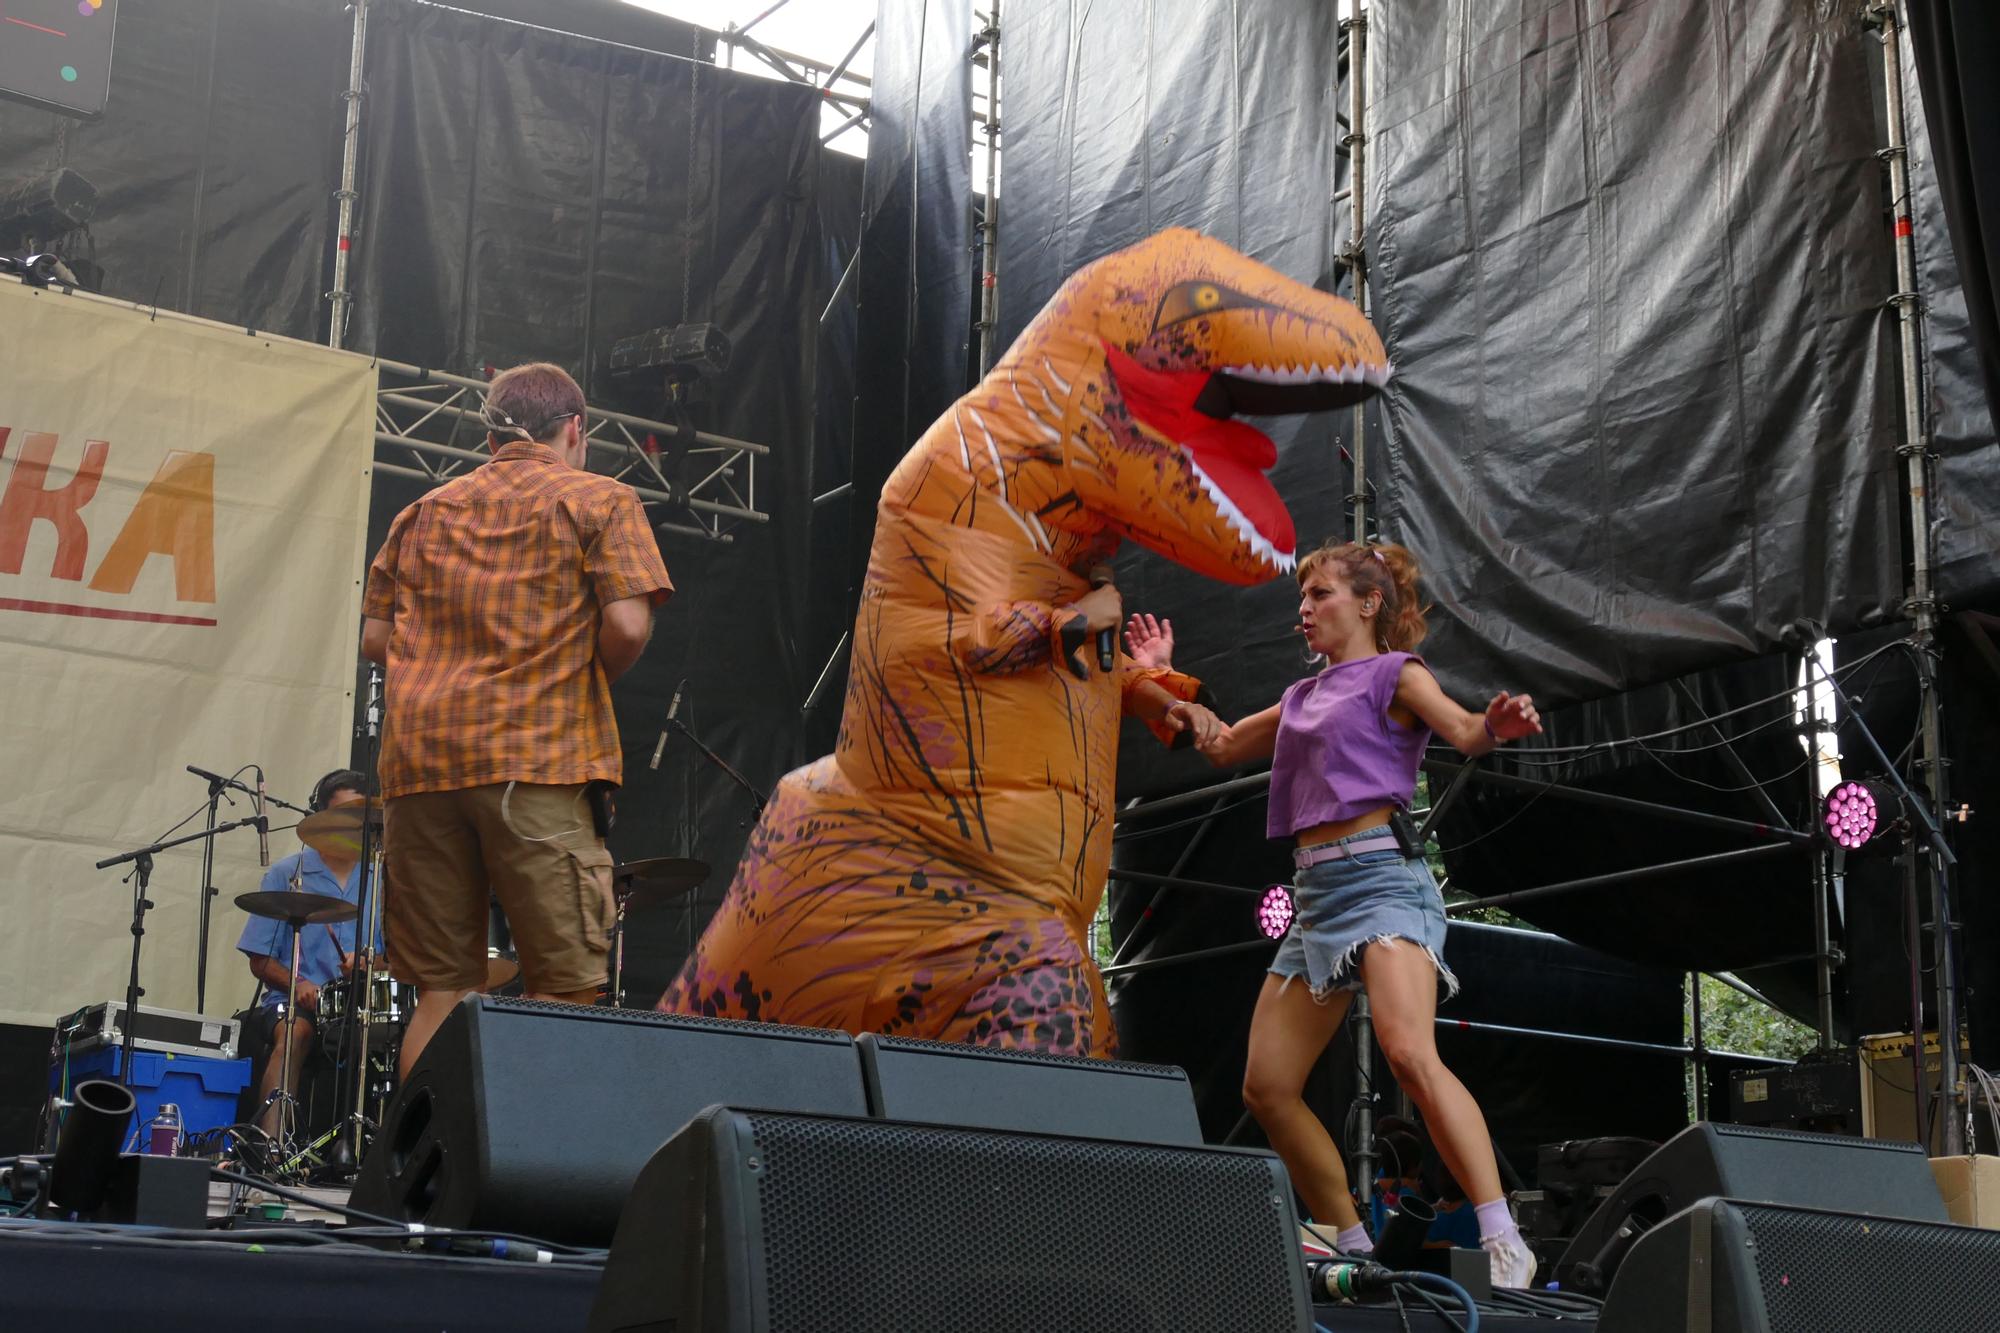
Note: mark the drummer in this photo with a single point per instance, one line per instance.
(326, 951)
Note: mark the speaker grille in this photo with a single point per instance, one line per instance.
(650, 1016)
(1038, 1057)
(867, 1225)
(1807, 1136)
(1818, 1271)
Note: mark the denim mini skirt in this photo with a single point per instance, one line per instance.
(1341, 907)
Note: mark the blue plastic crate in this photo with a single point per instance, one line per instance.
(205, 1089)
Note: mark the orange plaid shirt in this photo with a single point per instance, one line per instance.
(491, 585)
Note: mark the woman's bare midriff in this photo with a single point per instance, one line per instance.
(1342, 828)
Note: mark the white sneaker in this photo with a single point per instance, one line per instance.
(1513, 1262)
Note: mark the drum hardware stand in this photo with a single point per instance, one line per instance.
(369, 929)
(141, 876)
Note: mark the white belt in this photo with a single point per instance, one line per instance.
(1305, 857)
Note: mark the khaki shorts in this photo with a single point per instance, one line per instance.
(533, 848)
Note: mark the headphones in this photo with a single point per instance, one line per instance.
(340, 778)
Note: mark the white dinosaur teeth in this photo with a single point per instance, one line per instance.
(1352, 373)
(1245, 531)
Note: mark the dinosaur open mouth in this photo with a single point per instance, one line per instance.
(1198, 410)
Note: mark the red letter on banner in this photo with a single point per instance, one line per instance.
(175, 517)
(28, 498)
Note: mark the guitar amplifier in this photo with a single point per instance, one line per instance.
(164, 1030)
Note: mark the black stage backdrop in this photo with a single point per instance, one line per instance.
(1631, 268)
(1631, 263)
(1122, 120)
(914, 285)
(215, 161)
(533, 195)
(1954, 130)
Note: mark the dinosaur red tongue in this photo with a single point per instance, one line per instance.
(1232, 455)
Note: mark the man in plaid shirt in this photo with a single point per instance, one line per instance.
(503, 604)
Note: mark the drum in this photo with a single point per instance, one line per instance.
(390, 1004)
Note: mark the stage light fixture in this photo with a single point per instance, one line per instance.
(678, 357)
(1860, 813)
(1275, 912)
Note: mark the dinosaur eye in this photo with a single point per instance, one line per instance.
(1190, 300)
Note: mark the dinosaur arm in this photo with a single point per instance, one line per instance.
(1147, 693)
(1009, 637)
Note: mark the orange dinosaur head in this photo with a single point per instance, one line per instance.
(1157, 350)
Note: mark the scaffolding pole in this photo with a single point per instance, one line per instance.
(1921, 605)
(1355, 252)
(339, 299)
(989, 217)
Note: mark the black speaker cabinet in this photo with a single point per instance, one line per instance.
(535, 1118)
(944, 1083)
(1725, 1266)
(1744, 1162)
(758, 1222)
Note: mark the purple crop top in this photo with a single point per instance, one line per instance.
(1338, 753)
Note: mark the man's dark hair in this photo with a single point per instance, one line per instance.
(341, 779)
(530, 402)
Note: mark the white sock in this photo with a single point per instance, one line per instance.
(1354, 1240)
(1495, 1221)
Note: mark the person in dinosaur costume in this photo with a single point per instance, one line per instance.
(936, 876)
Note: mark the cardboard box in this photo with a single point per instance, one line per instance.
(1971, 1189)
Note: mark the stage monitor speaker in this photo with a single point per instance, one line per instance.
(944, 1083)
(1745, 1162)
(535, 1118)
(1726, 1266)
(756, 1222)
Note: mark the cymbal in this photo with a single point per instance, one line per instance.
(659, 880)
(298, 909)
(501, 968)
(337, 832)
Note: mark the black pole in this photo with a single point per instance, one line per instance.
(1175, 882)
(1193, 956)
(142, 874)
(722, 764)
(1627, 803)
(1620, 877)
(208, 891)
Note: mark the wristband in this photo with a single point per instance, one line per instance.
(1491, 734)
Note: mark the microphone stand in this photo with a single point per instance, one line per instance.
(721, 763)
(217, 793)
(142, 874)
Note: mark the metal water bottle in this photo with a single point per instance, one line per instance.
(163, 1136)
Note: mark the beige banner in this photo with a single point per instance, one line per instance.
(183, 516)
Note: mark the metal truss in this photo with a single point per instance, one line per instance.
(427, 426)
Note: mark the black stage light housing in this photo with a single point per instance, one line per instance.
(678, 356)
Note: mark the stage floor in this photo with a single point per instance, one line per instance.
(111, 1278)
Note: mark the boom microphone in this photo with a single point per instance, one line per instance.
(673, 711)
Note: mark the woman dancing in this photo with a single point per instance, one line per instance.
(1344, 747)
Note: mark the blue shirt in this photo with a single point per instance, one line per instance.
(322, 946)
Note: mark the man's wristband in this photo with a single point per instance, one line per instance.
(1491, 734)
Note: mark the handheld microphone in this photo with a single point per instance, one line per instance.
(263, 825)
(1107, 639)
(673, 711)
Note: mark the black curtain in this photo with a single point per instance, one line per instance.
(914, 284)
(215, 161)
(1953, 44)
(534, 195)
(1954, 141)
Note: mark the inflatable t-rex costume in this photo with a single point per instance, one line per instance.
(937, 874)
